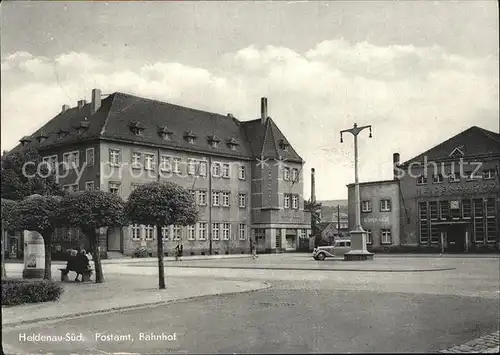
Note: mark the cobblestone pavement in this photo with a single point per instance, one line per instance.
(488, 344)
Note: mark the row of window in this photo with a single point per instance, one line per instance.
(71, 159)
(487, 174)
(366, 206)
(293, 198)
(457, 209)
(384, 234)
(286, 174)
(199, 231)
(482, 230)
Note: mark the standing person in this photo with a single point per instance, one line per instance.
(181, 251)
(177, 251)
(254, 250)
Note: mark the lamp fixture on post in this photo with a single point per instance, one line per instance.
(358, 234)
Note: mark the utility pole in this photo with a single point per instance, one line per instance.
(338, 218)
(358, 235)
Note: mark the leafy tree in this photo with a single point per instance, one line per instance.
(9, 222)
(161, 204)
(41, 214)
(315, 209)
(17, 184)
(90, 211)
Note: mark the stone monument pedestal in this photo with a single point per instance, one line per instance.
(358, 247)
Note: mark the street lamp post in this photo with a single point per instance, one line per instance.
(358, 235)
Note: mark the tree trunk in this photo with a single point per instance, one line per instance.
(161, 269)
(96, 254)
(4, 273)
(47, 240)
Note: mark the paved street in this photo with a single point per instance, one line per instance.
(303, 311)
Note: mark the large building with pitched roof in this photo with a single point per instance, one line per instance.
(245, 175)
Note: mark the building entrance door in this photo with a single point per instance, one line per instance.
(455, 238)
(113, 242)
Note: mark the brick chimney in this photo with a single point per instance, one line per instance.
(313, 186)
(263, 110)
(395, 164)
(65, 108)
(81, 103)
(96, 101)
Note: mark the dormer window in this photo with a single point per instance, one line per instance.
(165, 133)
(232, 143)
(213, 140)
(189, 136)
(25, 140)
(136, 127)
(83, 126)
(283, 145)
(61, 133)
(42, 136)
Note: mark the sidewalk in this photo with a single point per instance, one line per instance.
(120, 292)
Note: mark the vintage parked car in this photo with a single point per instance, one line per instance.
(338, 248)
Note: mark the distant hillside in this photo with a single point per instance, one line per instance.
(329, 210)
(334, 203)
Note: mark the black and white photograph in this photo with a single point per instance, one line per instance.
(250, 177)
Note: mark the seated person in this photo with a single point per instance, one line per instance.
(78, 263)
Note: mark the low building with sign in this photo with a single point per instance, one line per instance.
(379, 213)
(450, 194)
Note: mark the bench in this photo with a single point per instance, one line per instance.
(85, 277)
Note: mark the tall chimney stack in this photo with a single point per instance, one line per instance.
(313, 186)
(263, 110)
(395, 164)
(96, 101)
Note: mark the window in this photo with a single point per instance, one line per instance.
(455, 209)
(225, 199)
(434, 210)
(437, 178)
(89, 156)
(444, 207)
(136, 160)
(136, 231)
(242, 198)
(165, 232)
(466, 209)
(215, 231)
(366, 206)
(242, 173)
(202, 230)
(89, 185)
(191, 232)
(385, 236)
(491, 230)
(193, 193)
(478, 208)
(421, 180)
(215, 198)
(435, 235)
(216, 169)
(203, 168)
(149, 160)
(490, 208)
(423, 222)
(385, 205)
(214, 144)
(295, 202)
(455, 177)
(286, 174)
(177, 233)
(489, 174)
(51, 162)
(165, 163)
(71, 160)
(295, 175)
(71, 188)
(286, 203)
(114, 188)
(177, 163)
(369, 239)
(226, 231)
(242, 231)
(134, 186)
(191, 166)
(260, 233)
(114, 157)
(202, 198)
(190, 140)
(149, 231)
(225, 171)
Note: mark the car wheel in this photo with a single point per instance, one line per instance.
(321, 256)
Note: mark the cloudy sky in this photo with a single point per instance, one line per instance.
(419, 72)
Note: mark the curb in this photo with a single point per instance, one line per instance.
(131, 307)
(305, 269)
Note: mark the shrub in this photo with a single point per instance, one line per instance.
(141, 253)
(18, 291)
